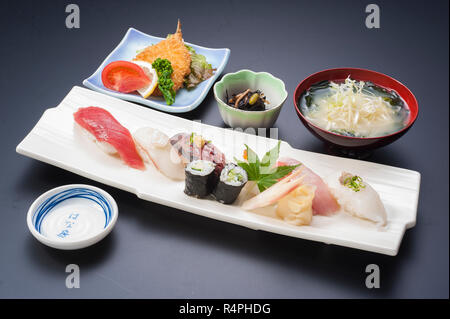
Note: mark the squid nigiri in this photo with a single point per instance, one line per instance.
(113, 138)
(357, 197)
(154, 146)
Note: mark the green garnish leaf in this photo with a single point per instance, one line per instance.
(264, 183)
(282, 171)
(164, 70)
(269, 159)
(252, 157)
(267, 180)
(251, 169)
(264, 172)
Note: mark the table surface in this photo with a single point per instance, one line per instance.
(160, 252)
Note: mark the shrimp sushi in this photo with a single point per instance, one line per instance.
(113, 138)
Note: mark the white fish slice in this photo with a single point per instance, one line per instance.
(155, 148)
(274, 193)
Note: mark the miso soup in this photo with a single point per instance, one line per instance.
(354, 108)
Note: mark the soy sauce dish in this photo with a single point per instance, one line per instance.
(355, 109)
(72, 216)
(248, 99)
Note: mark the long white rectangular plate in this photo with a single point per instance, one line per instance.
(55, 140)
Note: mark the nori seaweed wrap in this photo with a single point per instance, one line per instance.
(201, 178)
(232, 179)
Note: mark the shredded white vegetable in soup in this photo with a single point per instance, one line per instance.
(349, 107)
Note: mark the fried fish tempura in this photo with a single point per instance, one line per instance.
(174, 50)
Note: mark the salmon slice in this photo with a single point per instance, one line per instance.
(324, 202)
(106, 129)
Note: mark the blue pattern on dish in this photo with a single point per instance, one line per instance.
(185, 100)
(46, 206)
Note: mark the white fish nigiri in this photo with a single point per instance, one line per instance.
(323, 203)
(274, 193)
(357, 197)
(155, 148)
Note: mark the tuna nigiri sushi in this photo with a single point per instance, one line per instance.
(102, 128)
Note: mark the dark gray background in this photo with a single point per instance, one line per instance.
(159, 252)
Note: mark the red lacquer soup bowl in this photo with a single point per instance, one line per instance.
(356, 143)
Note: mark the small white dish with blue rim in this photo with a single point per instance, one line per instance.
(72, 216)
(185, 100)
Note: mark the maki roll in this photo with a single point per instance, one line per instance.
(232, 179)
(201, 178)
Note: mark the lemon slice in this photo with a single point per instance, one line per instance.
(146, 91)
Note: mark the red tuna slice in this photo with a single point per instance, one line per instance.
(105, 128)
(324, 202)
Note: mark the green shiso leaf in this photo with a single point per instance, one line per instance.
(269, 159)
(264, 172)
(282, 171)
(265, 183)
